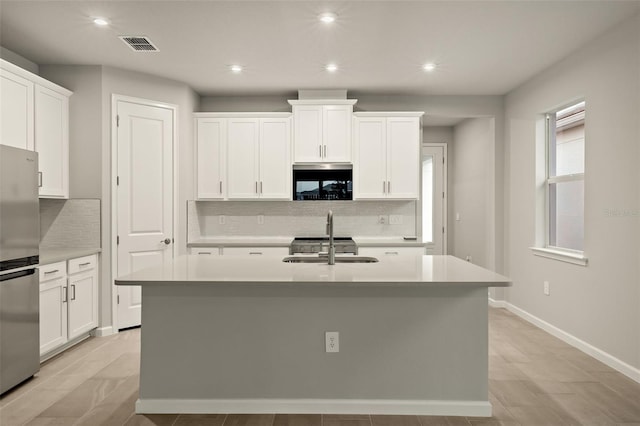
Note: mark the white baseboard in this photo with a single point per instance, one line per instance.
(103, 331)
(497, 303)
(602, 356)
(314, 406)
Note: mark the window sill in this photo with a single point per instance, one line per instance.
(575, 257)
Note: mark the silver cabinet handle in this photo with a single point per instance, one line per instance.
(204, 252)
(73, 292)
(256, 187)
(261, 187)
(51, 272)
(320, 151)
(167, 241)
(39, 179)
(255, 253)
(384, 187)
(325, 151)
(64, 294)
(85, 264)
(389, 187)
(221, 187)
(391, 252)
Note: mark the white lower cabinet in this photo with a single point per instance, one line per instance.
(390, 251)
(68, 301)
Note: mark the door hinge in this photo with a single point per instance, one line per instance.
(118, 240)
(117, 120)
(443, 195)
(118, 299)
(443, 229)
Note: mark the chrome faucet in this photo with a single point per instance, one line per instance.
(332, 246)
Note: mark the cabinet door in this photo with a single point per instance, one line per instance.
(53, 314)
(210, 158)
(403, 157)
(275, 159)
(52, 142)
(307, 129)
(336, 133)
(16, 111)
(242, 158)
(370, 162)
(83, 303)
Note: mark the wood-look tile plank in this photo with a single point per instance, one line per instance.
(249, 420)
(395, 421)
(29, 406)
(602, 397)
(443, 421)
(297, 420)
(116, 408)
(346, 420)
(200, 420)
(52, 421)
(584, 412)
(82, 399)
(540, 416)
(151, 420)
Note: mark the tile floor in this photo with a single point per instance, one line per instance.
(534, 379)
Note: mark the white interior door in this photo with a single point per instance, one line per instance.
(144, 197)
(434, 199)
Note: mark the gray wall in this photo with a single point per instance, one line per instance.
(600, 303)
(472, 191)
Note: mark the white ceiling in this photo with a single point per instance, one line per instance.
(481, 47)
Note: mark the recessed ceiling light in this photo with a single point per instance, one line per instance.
(328, 17)
(429, 67)
(331, 68)
(101, 22)
(236, 69)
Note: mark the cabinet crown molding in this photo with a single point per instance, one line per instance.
(242, 114)
(389, 114)
(8, 66)
(322, 101)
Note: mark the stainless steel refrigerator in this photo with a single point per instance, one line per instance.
(19, 256)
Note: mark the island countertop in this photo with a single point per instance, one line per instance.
(394, 271)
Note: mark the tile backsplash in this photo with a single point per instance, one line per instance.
(299, 218)
(68, 224)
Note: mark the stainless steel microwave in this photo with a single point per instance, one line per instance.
(322, 182)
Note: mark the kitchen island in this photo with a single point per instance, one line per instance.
(246, 334)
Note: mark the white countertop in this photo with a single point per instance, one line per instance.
(394, 271)
(58, 255)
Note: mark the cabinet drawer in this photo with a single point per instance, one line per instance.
(390, 251)
(256, 251)
(52, 271)
(81, 264)
(205, 251)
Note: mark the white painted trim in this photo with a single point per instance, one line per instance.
(242, 114)
(104, 331)
(498, 303)
(115, 98)
(602, 356)
(322, 101)
(8, 66)
(391, 114)
(445, 188)
(574, 257)
(314, 406)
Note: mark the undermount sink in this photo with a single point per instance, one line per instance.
(323, 259)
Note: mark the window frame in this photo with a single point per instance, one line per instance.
(550, 251)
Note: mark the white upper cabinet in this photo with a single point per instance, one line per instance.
(16, 110)
(52, 142)
(243, 156)
(210, 158)
(35, 115)
(387, 155)
(322, 131)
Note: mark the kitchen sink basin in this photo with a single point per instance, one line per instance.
(323, 259)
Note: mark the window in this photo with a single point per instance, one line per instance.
(565, 178)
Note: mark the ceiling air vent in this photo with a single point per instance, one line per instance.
(139, 43)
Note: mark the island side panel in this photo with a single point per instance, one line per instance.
(210, 342)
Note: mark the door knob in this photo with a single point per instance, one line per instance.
(167, 241)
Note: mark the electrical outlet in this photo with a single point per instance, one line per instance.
(395, 219)
(332, 341)
(260, 219)
(221, 219)
(382, 219)
(545, 287)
